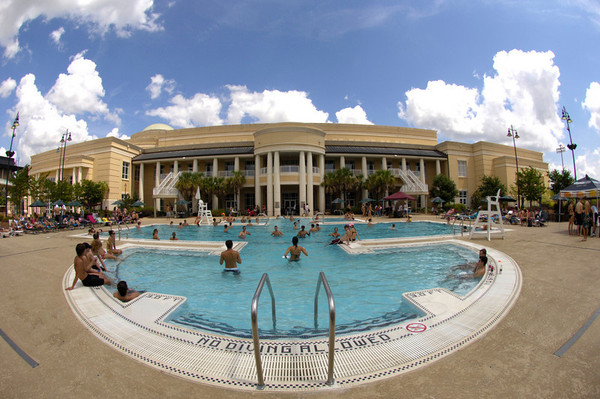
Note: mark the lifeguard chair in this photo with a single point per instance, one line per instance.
(493, 224)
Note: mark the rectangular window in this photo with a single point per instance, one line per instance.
(462, 196)
(125, 175)
(329, 166)
(136, 173)
(249, 165)
(349, 165)
(462, 168)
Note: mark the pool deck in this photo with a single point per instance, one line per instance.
(559, 295)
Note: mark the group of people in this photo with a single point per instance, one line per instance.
(583, 219)
(90, 267)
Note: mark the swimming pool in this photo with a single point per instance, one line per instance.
(367, 287)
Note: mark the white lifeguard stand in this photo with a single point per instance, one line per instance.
(491, 226)
(204, 213)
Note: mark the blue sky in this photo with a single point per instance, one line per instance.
(468, 69)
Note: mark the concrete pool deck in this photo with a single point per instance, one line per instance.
(559, 295)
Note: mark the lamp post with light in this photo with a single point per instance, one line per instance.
(561, 148)
(9, 155)
(515, 135)
(567, 117)
(62, 149)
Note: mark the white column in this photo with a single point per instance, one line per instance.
(276, 186)
(270, 184)
(156, 184)
(194, 199)
(309, 182)
(80, 174)
(215, 172)
(74, 176)
(321, 188)
(342, 162)
(422, 169)
(365, 172)
(384, 166)
(302, 179)
(57, 173)
(236, 164)
(404, 164)
(438, 168)
(175, 167)
(238, 194)
(257, 199)
(195, 166)
(141, 183)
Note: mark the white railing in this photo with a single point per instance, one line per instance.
(248, 172)
(316, 170)
(289, 168)
(411, 181)
(167, 186)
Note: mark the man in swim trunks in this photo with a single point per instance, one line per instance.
(243, 233)
(276, 232)
(123, 293)
(295, 250)
(83, 269)
(303, 233)
(231, 258)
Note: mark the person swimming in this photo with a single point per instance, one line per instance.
(295, 250)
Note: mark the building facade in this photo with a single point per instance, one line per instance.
(283, 163)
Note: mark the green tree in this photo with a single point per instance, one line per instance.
(379, 182)
(92, 193)
(443, 187)
(560, 180)
(235, 184)
(530, 183)
(489, 186)
(19, 188)
(62, 190)
(187, 185)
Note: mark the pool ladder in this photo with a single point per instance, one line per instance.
(254, 316)
(119, 228)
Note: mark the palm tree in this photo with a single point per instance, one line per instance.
(235, 183)
(379, 182)
(186, 184)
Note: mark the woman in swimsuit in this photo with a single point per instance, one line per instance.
(295, 250)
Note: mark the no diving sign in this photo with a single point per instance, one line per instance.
(416, 328)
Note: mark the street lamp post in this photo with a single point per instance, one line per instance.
(9, 155)
(561, 148)
(515, 135)
(62, 149)
(567, 117)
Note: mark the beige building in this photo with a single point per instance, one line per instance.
(283, 163)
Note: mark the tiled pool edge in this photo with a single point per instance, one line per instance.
(299, 364)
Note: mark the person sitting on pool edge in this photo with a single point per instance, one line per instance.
(302, 233)
(479, 269)
(123, 293)
(111, 244)
(295, 250)
(231, 258)
(83, 269)
(276, 232)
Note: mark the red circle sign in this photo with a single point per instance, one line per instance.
(416, 327)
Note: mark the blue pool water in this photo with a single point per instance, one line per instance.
(367, 288)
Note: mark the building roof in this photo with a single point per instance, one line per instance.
(197, 152)
(415, 152)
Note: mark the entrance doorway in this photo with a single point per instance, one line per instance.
(289, 202)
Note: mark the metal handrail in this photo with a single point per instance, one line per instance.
(254, 317)
(119, 229)
(322, 214)
(263, 215)
(323, 280)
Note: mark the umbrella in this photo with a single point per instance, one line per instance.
(138, 203)
(58, 203)
(399, 196)
(37, 203)
(74, 203)
(181, 202)
(559, 197)
(337, 201)
(437, 200)
(367, 200)
(584, 187)
(118, 203)
(508, 198)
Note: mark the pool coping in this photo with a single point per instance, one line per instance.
(138, 330)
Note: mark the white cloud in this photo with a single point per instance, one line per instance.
(7, 87)
(272, 106)
(157, 84)
(353, 115)
(41, 122)
(588, 163)
(57, 35)
(200, 110)
(592, 104)
(115, 133)
(80, 90)
(523, 92)
(101, 15)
